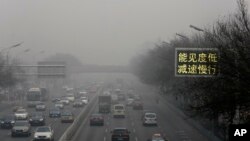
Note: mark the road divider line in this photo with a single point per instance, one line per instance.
(72, 130)
(134, 130)
(104, 139)
(136, 139)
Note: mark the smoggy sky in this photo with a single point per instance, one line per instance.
(106, 32)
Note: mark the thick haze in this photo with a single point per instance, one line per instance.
(107, 32)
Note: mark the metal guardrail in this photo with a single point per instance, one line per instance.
(72, 129)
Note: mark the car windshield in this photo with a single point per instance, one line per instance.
(21, 111)
(54, 110)
(21, 123)
(96, 115)
(150, 115)
(36, 114)
(120, 131)
(119, 107)
(43, 129)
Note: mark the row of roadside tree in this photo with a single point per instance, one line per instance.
(223, 99)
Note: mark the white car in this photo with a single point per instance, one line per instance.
(44, 133)
(84, 99)
(21, 114)
(149, 118)
(65, 101)
(41, 107)
(83, 93)
(59, 105)
(157, 137)
(119, 110)
(70, 97)
(130, 101)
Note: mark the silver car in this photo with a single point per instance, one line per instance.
(41, 107)
(21, 128)
(21, 114)
(44, 133)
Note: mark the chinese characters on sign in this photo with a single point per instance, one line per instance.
(196, 62)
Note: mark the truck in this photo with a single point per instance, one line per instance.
(44, 94)
(104, 102)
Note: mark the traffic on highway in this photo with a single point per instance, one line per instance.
(116, 112)
(124, 70)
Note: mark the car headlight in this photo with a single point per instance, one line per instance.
(30, 119)
(41, 119)
(12, 122)
(2, 122)
(35, 136)
(25, 130)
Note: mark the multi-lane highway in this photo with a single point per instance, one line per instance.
(170, 122)
(58, 127)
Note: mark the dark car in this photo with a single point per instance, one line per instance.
(21, 128)
(55, 100)
(54, 112)
(137, 105)
(7, 121)
(37, 119)
(67, 117)
(120, 134)
(96, 119)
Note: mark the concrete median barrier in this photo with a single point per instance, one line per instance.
(73, 128)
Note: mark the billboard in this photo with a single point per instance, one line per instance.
(196, 62)
(51, 69)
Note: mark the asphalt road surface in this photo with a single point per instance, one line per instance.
(170, 123)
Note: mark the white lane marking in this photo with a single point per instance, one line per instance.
(106, 130)
(136, 139)
(134, 130)
(104, 139)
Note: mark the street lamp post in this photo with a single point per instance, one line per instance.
(7, 60)
(196, 28)
(182, 36)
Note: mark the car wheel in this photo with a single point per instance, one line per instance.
(13, 135)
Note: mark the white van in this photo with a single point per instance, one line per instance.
(70, 97)
(149, 118)
(119, 110)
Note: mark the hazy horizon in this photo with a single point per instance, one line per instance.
(102, 32)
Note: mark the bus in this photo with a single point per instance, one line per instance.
(33, 96)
